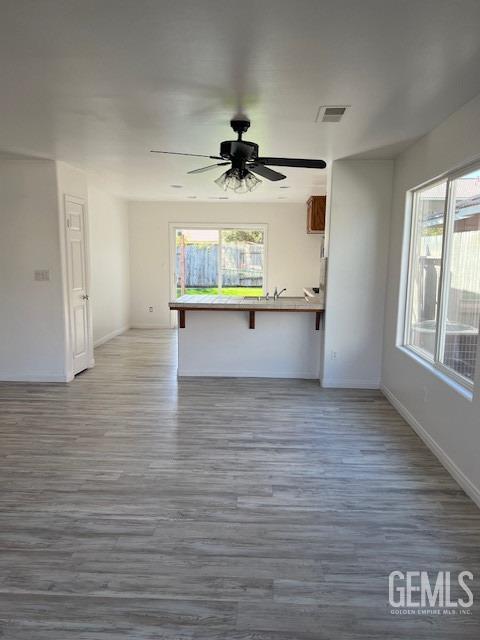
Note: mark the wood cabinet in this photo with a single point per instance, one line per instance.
(316, 206)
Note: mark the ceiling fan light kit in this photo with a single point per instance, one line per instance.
(243, 155)
(238, 180)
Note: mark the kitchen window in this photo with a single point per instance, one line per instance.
(443, 300)
(222, 260)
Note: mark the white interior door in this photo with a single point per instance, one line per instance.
(77, 284)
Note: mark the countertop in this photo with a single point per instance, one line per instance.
(237, 303)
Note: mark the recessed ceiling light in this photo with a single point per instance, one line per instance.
(192, 197)
(177, 186)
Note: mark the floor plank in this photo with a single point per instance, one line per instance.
(133, 505)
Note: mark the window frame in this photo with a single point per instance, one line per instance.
(449, 214)
(223, 226)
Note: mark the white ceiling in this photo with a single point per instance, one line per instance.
(98, 83)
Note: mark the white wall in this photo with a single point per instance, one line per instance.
(293, 255)
(446, 419)
(109, 264)
(34, 332)
(357, 259)
(32, 329)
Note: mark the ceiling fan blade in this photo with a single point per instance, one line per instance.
(293, 162)
(194, 155)
(265, 172)
(210, 166)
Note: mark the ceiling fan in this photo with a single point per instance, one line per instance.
(245, 161)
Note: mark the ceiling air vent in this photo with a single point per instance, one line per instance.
(331, 113)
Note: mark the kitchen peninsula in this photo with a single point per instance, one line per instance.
(248, 337)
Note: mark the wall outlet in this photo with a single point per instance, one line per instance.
(150, 309)
(333, 355)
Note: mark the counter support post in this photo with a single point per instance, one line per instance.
(181, 318)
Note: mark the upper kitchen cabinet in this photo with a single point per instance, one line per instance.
(316, 206)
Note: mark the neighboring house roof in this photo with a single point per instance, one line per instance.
(467, 206)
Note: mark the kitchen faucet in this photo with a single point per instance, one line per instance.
(277, 294)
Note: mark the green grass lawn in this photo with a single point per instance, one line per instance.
(226, 291)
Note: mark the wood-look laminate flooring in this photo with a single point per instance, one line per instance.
(135, 506)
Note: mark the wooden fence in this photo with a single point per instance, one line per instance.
(241, 264)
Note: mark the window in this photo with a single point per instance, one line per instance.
(220, 261)
(443, 304)
(427, 242)
(242, 253)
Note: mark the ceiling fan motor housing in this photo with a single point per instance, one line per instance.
(240, 125)
(239, 149)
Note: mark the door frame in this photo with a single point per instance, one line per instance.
(65, 276)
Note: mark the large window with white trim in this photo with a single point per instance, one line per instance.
(220, 260)
(443, 301)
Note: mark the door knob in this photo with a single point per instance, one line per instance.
(85, 297)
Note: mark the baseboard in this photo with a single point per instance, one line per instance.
(453, 469)
(35, 377)
(150, 326)
(232, 373)
(346, 383)
(109, 336)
